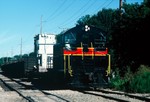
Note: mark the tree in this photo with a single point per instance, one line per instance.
(130, 36)
(127, 33)
(32, 54)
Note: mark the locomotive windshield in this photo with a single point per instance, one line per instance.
(70, 40)
(91, 37)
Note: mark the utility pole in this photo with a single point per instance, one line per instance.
(120, 23)
(21, 49)
(120, 7)
(41, 25)
(120, 4)
(11, 52)
(7, 58)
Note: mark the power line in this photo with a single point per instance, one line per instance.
(70, 17)
(101, 6)
(56, 11)
(52, 20)
(70, 20)
(109, 3)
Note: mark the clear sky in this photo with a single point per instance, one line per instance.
(21, 19)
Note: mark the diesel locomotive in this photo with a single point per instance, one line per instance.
(81, 56)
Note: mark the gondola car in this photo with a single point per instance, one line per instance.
(81, 57)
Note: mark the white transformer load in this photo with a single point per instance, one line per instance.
(43, 48)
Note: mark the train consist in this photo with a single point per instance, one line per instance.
(78, 56)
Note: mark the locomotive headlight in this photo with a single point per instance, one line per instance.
(87, 28)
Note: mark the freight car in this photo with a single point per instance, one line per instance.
(81, 57)
(21, 67)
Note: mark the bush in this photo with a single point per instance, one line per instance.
(116, 82)
(138, 82)
(141, 81)
(121, 83)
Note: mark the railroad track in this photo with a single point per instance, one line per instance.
(142, 97)
(33, 94)
(118, 96)
(27, 91)
(115, 95)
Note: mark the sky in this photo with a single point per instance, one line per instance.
(21, 20)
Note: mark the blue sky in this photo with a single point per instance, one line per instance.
(21, 19)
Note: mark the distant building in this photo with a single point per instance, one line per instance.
(43, 48)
